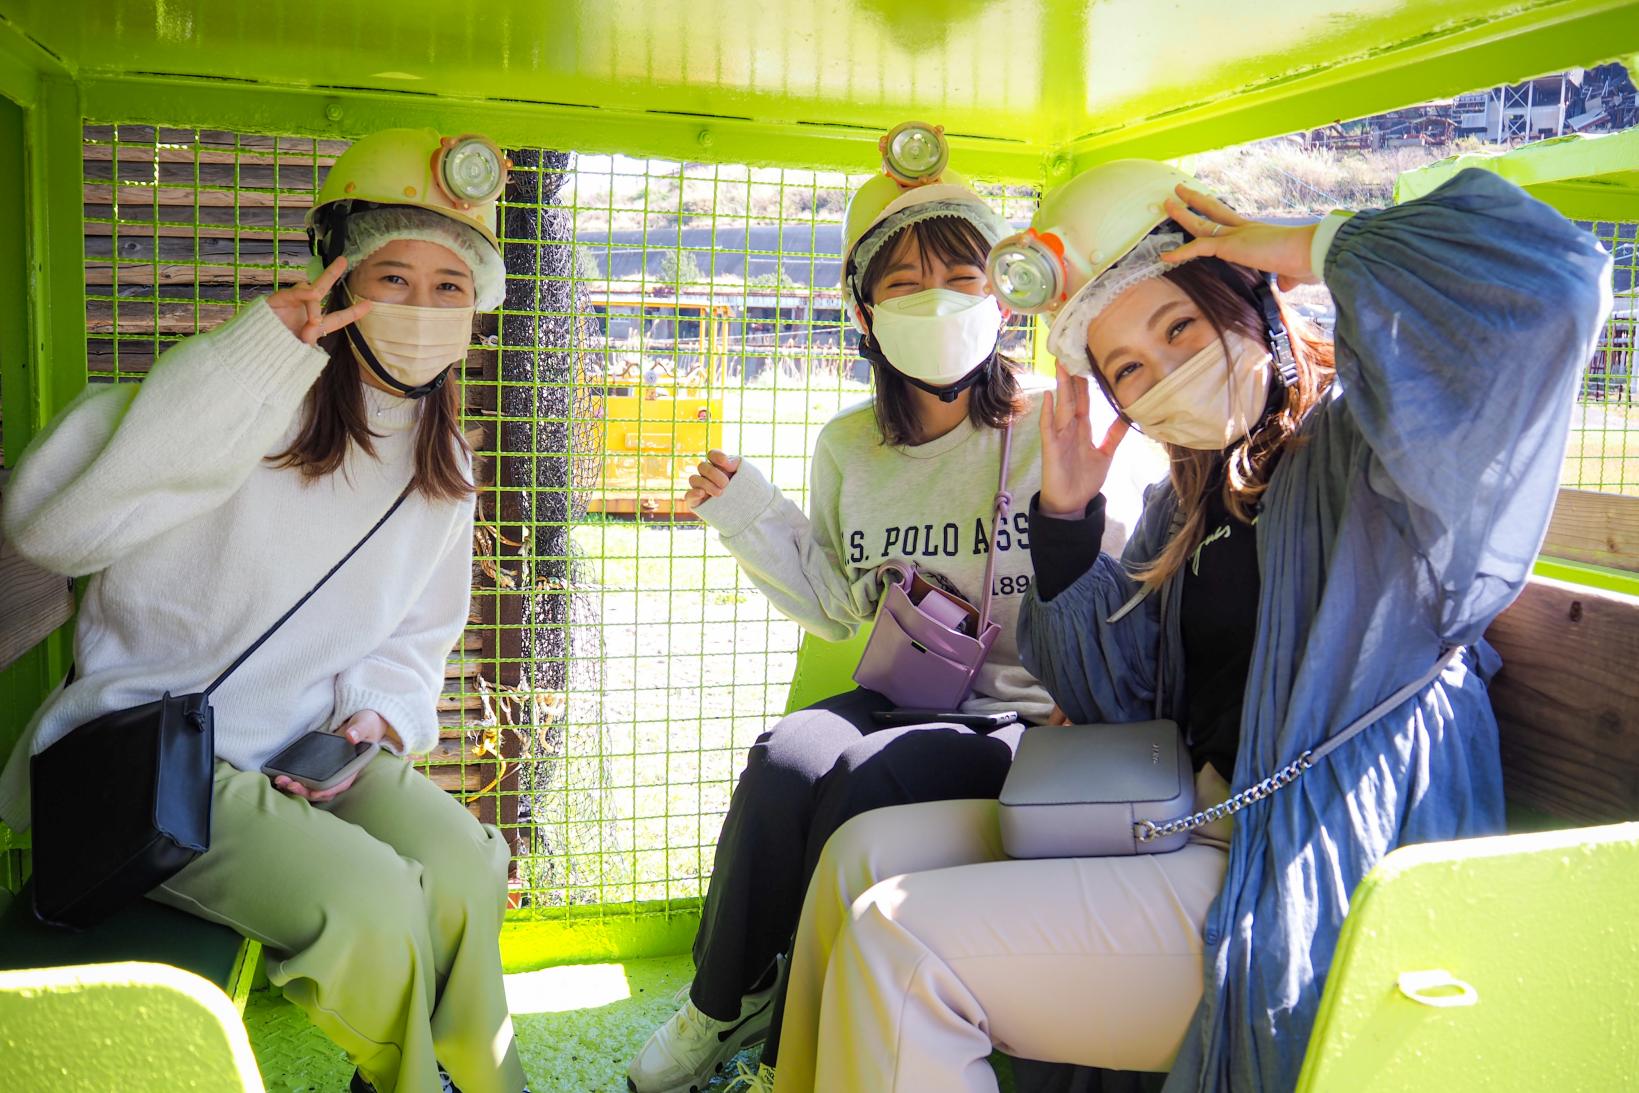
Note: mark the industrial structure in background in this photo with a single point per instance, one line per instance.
(1581, 100)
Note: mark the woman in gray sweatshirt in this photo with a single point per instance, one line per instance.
(908, 476)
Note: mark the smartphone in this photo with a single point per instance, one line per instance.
(980, 722)
(320, 760)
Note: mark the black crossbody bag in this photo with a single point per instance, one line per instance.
(123, 802)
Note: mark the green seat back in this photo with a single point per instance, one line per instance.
(1522, 950)
(824, 668)
(140, 931)
(132, 1027)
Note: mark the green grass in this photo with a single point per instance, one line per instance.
(692, 664)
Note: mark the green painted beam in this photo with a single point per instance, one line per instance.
(1584, 177)
(1528, 42)
(44, 338)
(56, 249)
(16, 371)
(22, 62)
(349, 114)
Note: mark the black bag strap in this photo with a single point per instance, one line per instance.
(297, 606)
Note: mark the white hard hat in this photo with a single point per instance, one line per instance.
(889, 202)
(1081, 230)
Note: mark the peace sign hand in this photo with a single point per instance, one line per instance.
(301, 306)
(1221, 232)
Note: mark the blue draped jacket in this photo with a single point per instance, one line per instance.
(1406, 517)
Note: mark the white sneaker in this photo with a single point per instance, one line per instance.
(690, 1049)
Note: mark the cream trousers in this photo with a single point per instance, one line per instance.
(922, 947)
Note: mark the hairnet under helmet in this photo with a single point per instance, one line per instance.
(371, 229)
(881, 208)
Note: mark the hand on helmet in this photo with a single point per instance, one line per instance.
(1220, 232)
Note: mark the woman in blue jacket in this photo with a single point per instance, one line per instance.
(1339, 515)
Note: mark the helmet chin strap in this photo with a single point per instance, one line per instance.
(328, 239)
(362, 348)
(1280, 342)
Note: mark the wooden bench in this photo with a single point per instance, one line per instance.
(34, 604)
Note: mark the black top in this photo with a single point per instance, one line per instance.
(1219, 617)
(1219, 623)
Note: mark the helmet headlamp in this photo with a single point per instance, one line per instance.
(1027, 272)
(470, 169)
(914, 152)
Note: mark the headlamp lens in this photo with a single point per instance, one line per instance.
(472, 170)
(915, 151)
(1024, 277)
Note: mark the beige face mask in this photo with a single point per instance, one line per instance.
(415, 344)
(1211, 400)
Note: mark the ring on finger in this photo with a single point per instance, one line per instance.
(1216, 228)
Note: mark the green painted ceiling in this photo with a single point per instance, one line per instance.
(1047, 76)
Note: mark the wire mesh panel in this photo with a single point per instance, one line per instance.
(617, 663)
(681, 307)
(1603, 453)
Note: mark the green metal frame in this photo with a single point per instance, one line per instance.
(42, 332)
(1585, 177)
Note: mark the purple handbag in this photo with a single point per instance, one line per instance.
(927, 644)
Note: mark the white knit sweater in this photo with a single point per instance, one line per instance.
(196, 544)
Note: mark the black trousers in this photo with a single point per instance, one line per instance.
(804, 778)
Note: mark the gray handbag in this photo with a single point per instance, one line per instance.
(1079, 791)
(1100, 791)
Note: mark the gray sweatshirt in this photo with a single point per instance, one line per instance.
(927, 504)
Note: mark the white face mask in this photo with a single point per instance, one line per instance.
(1211, 400)
(415, 344)
(937, 335)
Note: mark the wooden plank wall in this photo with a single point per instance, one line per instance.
(1567, 698)
(175, 240)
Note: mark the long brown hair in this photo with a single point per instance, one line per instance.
(334, 417)
(1225, 294)
(998, 397)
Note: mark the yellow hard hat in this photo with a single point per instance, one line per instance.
(458, 178)
(911, 188)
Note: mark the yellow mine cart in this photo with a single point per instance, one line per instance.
(656, 424)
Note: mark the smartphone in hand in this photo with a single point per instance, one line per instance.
(979, 722)
(320, 760)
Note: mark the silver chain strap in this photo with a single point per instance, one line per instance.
(1148, 830)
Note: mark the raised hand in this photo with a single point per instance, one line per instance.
(301, 306)
(1221, 232)
(1073, 465)
(713, 478)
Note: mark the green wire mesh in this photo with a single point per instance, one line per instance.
(1603, 453)
(617, 664)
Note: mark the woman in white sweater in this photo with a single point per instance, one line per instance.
(909, 476)
(205, 501)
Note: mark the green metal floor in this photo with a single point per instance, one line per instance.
(577, 1027)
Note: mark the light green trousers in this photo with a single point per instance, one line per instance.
(381, 916)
